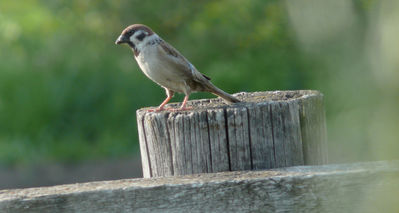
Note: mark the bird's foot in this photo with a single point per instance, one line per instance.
(158, 109)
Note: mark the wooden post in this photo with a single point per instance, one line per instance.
(267, 130)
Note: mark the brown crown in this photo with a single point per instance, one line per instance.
(136, 27)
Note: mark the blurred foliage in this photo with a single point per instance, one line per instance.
(68, 93)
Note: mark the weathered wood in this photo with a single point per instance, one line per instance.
(267, 130)
(313, 130)
(360, 187)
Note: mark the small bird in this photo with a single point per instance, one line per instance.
(166, 66)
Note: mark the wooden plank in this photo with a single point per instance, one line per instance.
(278, 134)
(187, 145)
(160, 153)
(175, 124)
(145, 161)
(238, 137)
(195, 144)
(360, 187)
(205, 150)
(263, 156)
(292, 135)
(218, 140)
(313, 130)
(200, 143)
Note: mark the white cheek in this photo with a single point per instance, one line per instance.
(141, 44)
(132, 39)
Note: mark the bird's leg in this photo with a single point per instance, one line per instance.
(183, 105)
(169, 94)
(161, 107)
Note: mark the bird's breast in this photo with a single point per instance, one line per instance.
(158, 70)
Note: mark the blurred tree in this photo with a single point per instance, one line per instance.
(67, 93)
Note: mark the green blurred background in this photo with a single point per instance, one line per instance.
(68, 94)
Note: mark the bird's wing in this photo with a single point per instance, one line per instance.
(181, 63)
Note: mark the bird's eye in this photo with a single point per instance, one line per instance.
(141, 36)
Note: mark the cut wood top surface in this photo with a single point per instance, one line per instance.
(245, 97)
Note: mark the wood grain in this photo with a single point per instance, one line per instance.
(267, 130)
(360, 187)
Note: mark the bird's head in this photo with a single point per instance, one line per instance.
(135, 35)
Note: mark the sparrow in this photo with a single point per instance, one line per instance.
(166, 66)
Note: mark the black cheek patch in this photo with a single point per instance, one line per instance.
(131, 44)
(141, 36)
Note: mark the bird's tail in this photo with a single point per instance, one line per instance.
(226, 96)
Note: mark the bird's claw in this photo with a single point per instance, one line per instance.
(158, 109)
(169, 109)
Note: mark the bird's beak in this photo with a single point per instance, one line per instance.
(121, 39)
